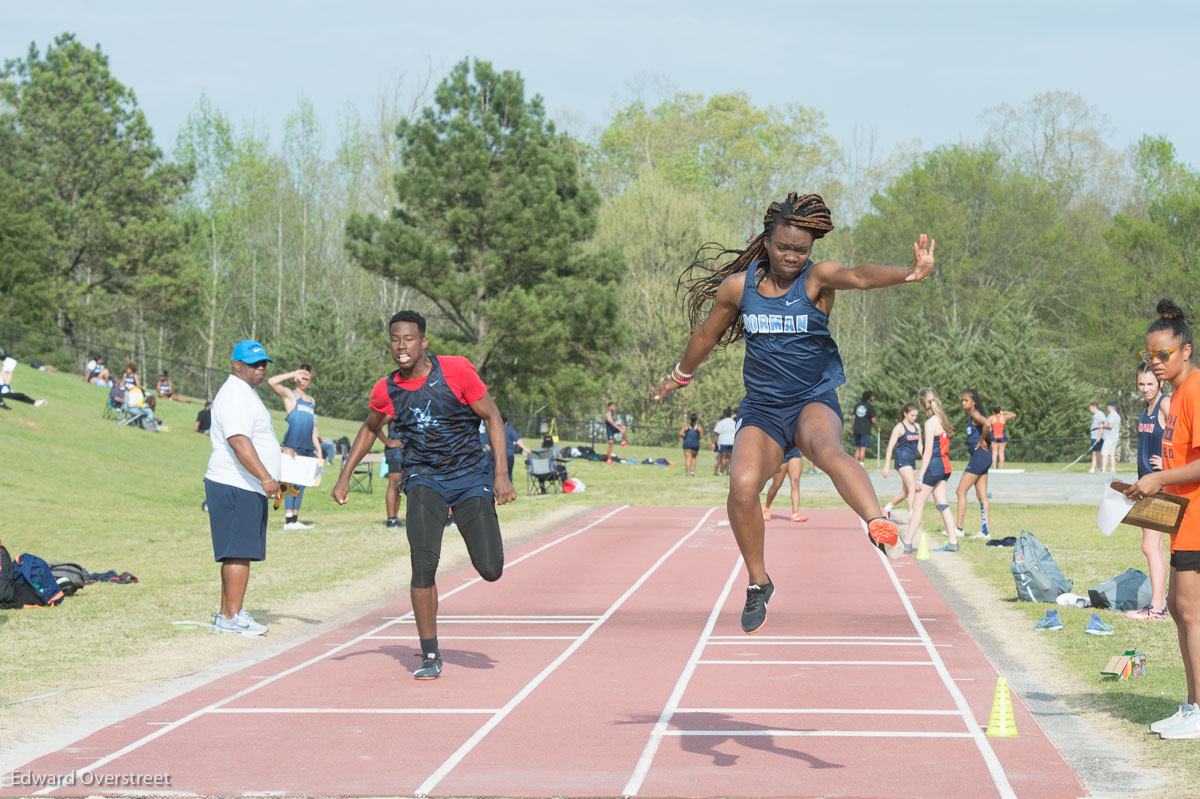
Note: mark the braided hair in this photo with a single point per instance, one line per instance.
(713, 263)
(1172, 319)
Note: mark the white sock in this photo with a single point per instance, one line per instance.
(887, 508)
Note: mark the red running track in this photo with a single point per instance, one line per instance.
(609, 661)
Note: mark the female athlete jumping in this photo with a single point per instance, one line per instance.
(775, 296)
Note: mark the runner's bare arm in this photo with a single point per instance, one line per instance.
(838, 277)
(720, 318)
(485, 408)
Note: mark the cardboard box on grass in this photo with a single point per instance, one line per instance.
(1126, 667)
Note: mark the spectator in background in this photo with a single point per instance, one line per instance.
(328, 449)
(1110, 437)
(301, 437)
(243, 472)
(690, 433)
(203, 419)
(723, 433)
(512, 440)
(613, 429)
(550, 449)
(6, 392)
(97, 373)
(864, 420)
(393, 455)
(1095, 431)
(167, 389)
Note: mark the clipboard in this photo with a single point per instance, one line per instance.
(1162, 512)
(300, 470)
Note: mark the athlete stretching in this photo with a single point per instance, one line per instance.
(437, 403)
(779, 299)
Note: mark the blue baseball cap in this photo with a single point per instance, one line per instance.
(249, 351)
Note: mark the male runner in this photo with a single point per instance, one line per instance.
(436, 403)
(613, 430)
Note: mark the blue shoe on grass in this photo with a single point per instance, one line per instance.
(1098, 627)
(1049, 622)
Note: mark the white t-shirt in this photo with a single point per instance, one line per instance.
(725, 429)
(238, 411)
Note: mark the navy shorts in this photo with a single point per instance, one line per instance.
(725, 448)
(395, 459)
(999, 439)
(980, 462)
(899, 464)
(932, 478)
(863, 441)
(237, 519)
(455, 489)
(1099, 442)
(1185, 560)
(780, 422)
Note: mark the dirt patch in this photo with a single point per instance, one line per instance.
(1108, 759)
(129, 684)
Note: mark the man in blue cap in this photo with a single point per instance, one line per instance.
(242, 474)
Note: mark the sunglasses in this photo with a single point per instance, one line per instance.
(1162, 355)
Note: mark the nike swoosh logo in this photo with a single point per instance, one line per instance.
(433, 382)
(792, 302)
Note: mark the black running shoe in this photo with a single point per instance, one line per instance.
(754, 615)
(431, 668)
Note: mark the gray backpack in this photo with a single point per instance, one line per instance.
(1037, 576)
(1129, 590)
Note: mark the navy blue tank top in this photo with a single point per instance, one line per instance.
(790, 354)
(973, 433)
(440, 432)
(300, 426)
(1150, 435)
(691, 438)
(905, 450)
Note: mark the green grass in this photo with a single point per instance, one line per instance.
(79, 488)
(1088, 557)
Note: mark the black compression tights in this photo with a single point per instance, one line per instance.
(477, 522)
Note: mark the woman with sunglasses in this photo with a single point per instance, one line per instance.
(1169, 353)
(1151, 423)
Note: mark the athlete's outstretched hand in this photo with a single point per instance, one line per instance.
(922, 259)
(665, 387)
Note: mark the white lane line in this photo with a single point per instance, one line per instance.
(664, 718)
(138, 744)
(814, 638)
(818, 711)
(442, 621)
(999, 778)
(476, 637)
(812, 734)
(815, 662)
(431, 782)
(746, 642)
(455, 617)
(354, 711)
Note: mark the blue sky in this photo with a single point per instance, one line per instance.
(902, 70)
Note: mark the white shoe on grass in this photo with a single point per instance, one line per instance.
(297, 525)
(241, 623)
(1186, 726)
(1171, 720)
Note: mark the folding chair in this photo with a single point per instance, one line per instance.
(364, 473)
(544, 474)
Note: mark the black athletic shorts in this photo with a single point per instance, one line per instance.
(395, 459)
(1185, 560)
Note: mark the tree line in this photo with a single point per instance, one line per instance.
(552, 259)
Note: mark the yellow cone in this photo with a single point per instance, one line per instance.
(923, 548)
(1001, 724)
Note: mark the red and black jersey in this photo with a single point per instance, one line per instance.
(434, 419)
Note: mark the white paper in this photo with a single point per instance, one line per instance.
(300, 470)
(1114, 507)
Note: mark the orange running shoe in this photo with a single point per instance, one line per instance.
(883, 532)
(796, 517)
(766, 514)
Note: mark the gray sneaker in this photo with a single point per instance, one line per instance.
(431, 668)
(241, 623)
